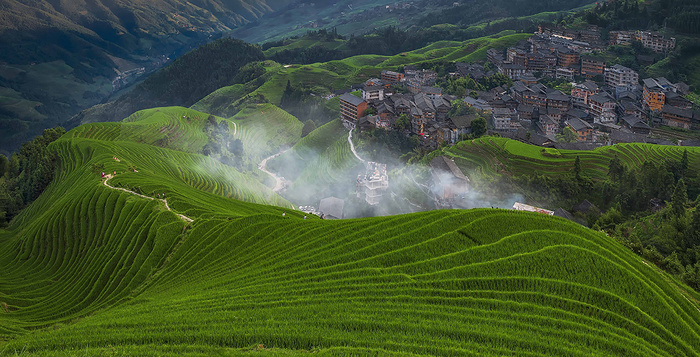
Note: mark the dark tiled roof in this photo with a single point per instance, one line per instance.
(579, 124)
(352, 99)
(463, 121)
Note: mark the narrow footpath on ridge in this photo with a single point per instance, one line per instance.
(182, 216)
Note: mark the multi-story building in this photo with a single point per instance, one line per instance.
(620, 76)
(516, 56)
(581, 92)
(558, 100)
(592, 66)
(602, 107)
(391, 76)
(567, 57)
(654, 95)
(512, 71)
(548, 126)
(583, 130)
(535, 98)
(503, 117)
(655, 41)
(372, 93)
(677, 117)
(620, 37)
(352, 107)
(373, 183)
(565, 73)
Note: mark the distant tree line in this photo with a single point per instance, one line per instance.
(27, 173)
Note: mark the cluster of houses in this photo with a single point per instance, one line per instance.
(424, 105)
(609, 104)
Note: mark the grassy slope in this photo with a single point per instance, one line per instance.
(490, 155)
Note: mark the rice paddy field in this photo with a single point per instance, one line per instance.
(91, 270)
(495, 155)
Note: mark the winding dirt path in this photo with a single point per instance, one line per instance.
(182, 216)
(279, 181)
(352, 145)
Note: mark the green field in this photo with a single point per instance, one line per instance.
(492, 155)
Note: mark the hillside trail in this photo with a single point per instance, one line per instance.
(279, 181)
(352, 145)
(182, 216)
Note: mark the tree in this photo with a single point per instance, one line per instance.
(684, 163)
(402, 123)
(4, 165)
(309, 126)
(673, 265)
(459, 107)
(478, 127)
(237, 148)
(577, 167)
(567, 136)
(679, 199)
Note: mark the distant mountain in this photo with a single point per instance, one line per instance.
(60, 56)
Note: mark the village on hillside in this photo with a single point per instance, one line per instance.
(599, 103)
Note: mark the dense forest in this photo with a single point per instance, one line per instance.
(25, 175)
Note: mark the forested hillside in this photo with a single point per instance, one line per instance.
(189, 79)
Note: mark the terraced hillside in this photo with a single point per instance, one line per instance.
(491, 155)
(479, 282)
(89, 269)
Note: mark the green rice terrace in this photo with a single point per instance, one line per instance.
(191, 257)
(495, 155)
